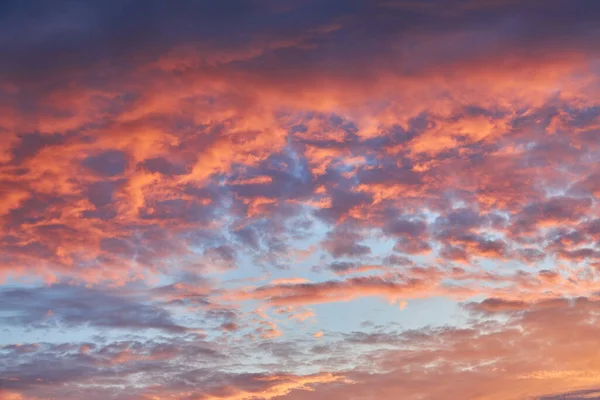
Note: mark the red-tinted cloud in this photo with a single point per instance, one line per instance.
(197, 172)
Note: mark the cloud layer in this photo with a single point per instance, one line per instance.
(245, 200)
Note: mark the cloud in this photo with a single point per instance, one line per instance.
(161, 165)
(333, 291)
(487, 358)
(71, 306)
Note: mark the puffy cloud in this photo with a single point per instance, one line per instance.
(163, 166)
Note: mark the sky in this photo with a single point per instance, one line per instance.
(300, 200)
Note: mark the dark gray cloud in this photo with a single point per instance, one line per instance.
(77, 306)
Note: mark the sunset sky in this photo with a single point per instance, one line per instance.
(300, 200)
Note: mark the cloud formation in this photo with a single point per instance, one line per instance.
(239, 200)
